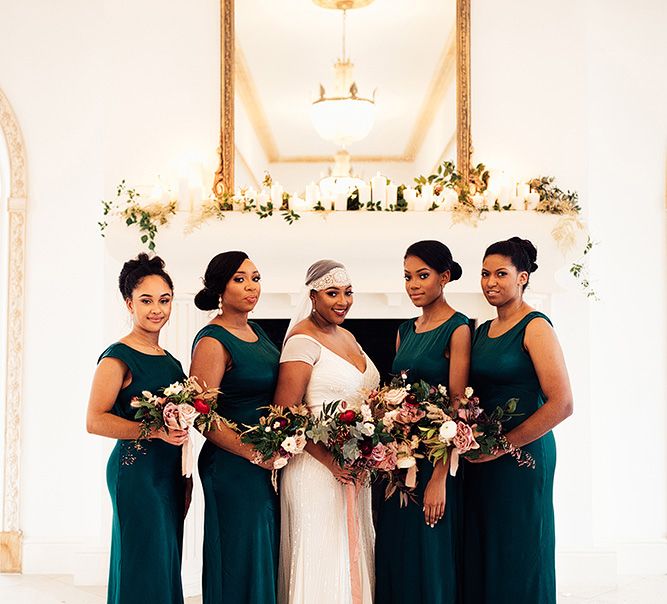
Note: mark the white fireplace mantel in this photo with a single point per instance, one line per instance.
(370, 244)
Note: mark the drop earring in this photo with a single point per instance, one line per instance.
(220, 305)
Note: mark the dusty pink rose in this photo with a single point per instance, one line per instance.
(464, 440)
(383, 457)
(170, 416)
(186, 415)
(409, 414)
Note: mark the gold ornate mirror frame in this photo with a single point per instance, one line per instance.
(224, 176)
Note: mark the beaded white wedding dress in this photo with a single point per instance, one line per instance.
(321, 561)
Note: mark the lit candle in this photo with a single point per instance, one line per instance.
(197, 197)
(451, 197)
(297, 204)
(410, 196)
(392, 194)
(523, 190)
(491, 196)
(340, 203)
(379, 190)
(532, 200)
(478, 200)
(312, 194)
(421, 204)
(183, 200)
(277, 195)
(364, 194)
(263, 198)
(516, 203)
(427, 194)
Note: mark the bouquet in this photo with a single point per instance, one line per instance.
(470, 432)
(282, 431)
(357, 440)
(404, 409)
(182, 405)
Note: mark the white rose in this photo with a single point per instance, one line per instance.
(395, 396)
(301, 441)
(367, 429)
(468, 391)
(447, 431)
(147, 394)
(289, 444)
(442, 390)
(366, 412)
(405, 462)
(173, 389)
(281, 462)
(388, 419)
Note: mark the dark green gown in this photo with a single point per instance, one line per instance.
(509, 515)
(147, 494)
(413, 562)
(241, 520)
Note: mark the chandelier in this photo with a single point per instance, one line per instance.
(343, 117)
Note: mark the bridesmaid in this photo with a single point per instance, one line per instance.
(145, 547)
(509, 516)
(241, 523)
(416, 545)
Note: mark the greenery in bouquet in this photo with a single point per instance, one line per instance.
(281, 431)
(357, 440)
(468, 431)
(179, 406)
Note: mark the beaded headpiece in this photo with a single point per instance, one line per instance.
(336, 277)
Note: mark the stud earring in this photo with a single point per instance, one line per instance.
(220, 305)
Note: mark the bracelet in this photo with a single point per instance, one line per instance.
(256, 458)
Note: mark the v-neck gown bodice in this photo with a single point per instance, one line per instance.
(314, 547)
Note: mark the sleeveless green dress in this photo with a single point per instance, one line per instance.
(509, 538)
(147, 494)
(413, 562)
(241, 520)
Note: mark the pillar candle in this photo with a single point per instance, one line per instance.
(379, 190)
(183, 200)
(410, 196)
(276, 194)
(364, 194)
(392, 194)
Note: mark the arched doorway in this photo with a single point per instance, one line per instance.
(13, 197)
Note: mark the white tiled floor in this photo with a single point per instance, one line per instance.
(58, 589)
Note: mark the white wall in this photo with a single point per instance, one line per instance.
(112, 90)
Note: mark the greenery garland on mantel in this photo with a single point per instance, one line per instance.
(552, 200)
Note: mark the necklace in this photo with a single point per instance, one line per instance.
(147, 344)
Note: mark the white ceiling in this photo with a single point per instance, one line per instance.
(290, 47)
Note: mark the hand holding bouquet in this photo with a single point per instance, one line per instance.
(281, 432)
(356, 439)
(181, 406)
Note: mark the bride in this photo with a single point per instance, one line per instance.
(327, 536)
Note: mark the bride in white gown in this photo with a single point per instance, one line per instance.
(327, 535)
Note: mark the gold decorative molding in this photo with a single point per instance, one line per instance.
(464, 144)
(11, 539)
(224, 177)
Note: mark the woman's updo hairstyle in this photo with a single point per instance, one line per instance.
(135, 270)
(521, 252)
(219, 271)
(437, 256)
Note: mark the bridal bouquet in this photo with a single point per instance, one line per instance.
(470, 432)
(282, 431)
(181, 406)
(357, 440)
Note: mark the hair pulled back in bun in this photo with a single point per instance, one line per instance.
(437, 255)
(521, 252)
(219, 271)
(135, 270)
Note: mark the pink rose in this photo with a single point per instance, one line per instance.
(186, 415)
(409, 414)
(464, 440)
(170, 416)
(383, 457)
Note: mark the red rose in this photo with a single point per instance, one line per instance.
(366, 446)
(411, 399)
(281, 423)
(201, 406)
(347, 417)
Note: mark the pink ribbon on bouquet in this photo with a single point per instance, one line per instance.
(453, 461)
(351, 492)
(182, 417)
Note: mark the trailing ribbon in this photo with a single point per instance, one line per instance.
(453, 461)
(411, 477)
(351, 492)
(187, 458)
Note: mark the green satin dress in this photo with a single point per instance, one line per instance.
(413, 562)
(241, 520)
(147, 494)
(509, 517)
